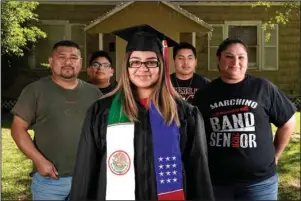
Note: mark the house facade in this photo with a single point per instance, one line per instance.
(203, 24)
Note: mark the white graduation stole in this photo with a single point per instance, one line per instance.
(120, 162)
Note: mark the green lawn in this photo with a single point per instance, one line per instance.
(16, 169)
(289, 172)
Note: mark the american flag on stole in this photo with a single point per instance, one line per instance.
(169, 173)
(167, 157)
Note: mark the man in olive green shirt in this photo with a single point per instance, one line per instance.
(54, 107)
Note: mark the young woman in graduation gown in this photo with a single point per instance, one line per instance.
(141, 141)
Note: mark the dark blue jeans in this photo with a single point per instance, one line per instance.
(263, 190)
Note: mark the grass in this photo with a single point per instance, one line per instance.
(16, 168)
(289, 172)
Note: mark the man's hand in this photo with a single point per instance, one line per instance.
(25, 144)
(46, 169)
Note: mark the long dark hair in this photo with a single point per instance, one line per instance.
(162, 98)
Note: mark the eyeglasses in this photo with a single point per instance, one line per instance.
(148, 64)
(99, 65)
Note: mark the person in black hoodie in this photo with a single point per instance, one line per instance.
(142, 141)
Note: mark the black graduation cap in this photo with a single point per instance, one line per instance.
(144, 38)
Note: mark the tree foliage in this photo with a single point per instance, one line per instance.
(282, 16)
(18, 28)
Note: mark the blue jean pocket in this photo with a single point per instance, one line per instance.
(47, 188)
(42, 179)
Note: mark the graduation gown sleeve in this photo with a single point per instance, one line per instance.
(195, 159)
(86, 172)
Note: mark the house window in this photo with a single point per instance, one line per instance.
(78, 36)
(56, 30)
(248, 34)
(270, 50)
(217, 36)
(262, 55)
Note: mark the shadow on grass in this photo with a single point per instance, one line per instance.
(23, 181)
(12, 196)
(293, 160)
(15, 194)
(289, 193)
(290, 159)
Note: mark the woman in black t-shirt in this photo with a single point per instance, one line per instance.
(238, 109)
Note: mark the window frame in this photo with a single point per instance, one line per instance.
(32, 58)
(260, 43)
(83, 47)
(264, 67)
(258, 24)
(209, 46)
(67, 36)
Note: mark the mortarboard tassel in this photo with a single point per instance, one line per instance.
(166, 61)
